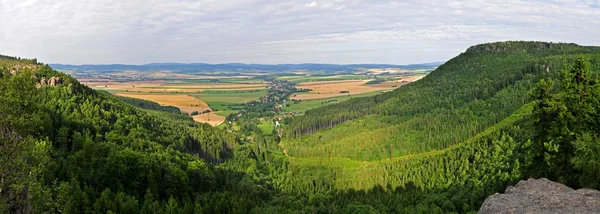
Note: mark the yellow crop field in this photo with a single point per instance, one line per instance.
(184, 102)
(327, 89)
(160, 86)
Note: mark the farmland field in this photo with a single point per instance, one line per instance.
(304, 105)
(159, 86)
(184, 102)
(221, 98)
(226, 95)
(329, 89)
(266, 126)
(225, 102)
(314, 78)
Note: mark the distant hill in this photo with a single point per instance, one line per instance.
(439, 145)
(236, 67)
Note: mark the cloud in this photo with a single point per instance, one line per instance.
(272, 31)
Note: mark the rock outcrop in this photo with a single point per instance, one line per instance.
(542, 196)
(54, 81)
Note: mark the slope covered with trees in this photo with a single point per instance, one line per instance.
(369, 142)
(68, 148)
(461, 98)
(477, 124)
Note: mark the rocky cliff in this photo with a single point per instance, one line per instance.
(542, 196)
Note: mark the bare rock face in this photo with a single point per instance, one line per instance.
(54, 81)
(542, 196)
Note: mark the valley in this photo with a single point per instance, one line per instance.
(299, 107)
(214, 98)
(302, 141)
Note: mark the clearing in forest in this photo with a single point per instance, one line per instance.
(211, 118)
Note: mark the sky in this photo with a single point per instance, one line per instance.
(279, 31)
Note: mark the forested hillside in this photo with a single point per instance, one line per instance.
(463, 97)
(67, 148)
(416, 134)
(493, 115)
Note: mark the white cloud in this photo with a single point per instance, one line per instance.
(340, 7)
(273, 31)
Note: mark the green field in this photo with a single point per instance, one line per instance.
(323, 78)
(200, 87)
(305, 105)
(220, 99)
(223, 80)
(266, 127)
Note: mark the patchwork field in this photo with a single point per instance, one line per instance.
(184, 102)
(160, 86)
(315, 78)
(304, 105)
(329, 89)
(226, 102)
(224, 96)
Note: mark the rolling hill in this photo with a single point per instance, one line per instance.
(441, 144)
(428, 133)
(195, 67)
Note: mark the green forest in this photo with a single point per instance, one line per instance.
(493, 115)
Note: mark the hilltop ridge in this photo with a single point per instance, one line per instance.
(441, 144)
(194, 67)
(513, 46)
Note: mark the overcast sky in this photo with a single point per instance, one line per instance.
(278, 31)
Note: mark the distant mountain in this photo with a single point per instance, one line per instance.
(236, 67)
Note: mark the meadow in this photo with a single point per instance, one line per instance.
(303, 105)
(226, 102)
(314, 78)
(161, 86)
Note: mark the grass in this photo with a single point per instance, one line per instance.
(221, 100)
(305, 105)
(224, 80)
(266, 126)
(222, 126)
(203, 87)
(299, 79)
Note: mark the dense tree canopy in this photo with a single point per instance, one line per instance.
(473, 126)
(567, 123)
